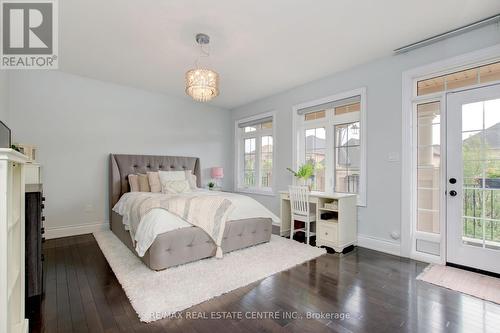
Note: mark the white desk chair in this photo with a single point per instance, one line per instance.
(299, 204)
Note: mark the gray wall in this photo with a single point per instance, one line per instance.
(382, 78)
(77, 122)
(4, 97)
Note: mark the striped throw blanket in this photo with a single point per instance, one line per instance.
(209, 213)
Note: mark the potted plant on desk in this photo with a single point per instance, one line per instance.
(304, 174)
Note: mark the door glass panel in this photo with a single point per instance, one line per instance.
(428, 199)
(429, 156)
(472, 117)
(428, 114)
(472, 227)
(427, 178)
(429, 135)
(428, 167)
(481, 173)
(460, 79)
(428, 221)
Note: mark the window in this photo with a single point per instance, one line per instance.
(249, 162)
(315, 115)
(354, 107)
(266, 158)
(464, 78)
(254, 153)
(428, 175)
(315, 152)
(347, 157)
(329, 135)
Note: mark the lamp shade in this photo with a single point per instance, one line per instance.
(202, 84)
(217, 172)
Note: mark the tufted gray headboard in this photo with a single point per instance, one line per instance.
(121, 166)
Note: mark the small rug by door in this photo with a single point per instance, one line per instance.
(156, 295)
(470, 283)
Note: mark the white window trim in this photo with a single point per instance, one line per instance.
(409, 98)
(298, 127)
(238, 155)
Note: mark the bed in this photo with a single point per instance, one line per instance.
(184, 245)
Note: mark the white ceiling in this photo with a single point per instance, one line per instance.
(258, 47)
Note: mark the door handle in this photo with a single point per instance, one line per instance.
(453, 193)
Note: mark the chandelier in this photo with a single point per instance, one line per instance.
(202, 84)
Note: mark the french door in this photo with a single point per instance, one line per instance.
(473, 178)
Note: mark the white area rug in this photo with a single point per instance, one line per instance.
(470, 283)
(156, 295)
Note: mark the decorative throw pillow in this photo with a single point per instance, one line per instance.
(133, 181)
(191, 179)
(171, 175)
(143, 183)
(154, 182)
(176, 186)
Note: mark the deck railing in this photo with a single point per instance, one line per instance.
(481, 212)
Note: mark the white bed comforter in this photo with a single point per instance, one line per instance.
(158, 220)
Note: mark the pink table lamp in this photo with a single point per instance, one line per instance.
(217, 173)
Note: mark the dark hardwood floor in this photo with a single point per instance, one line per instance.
(362, 291)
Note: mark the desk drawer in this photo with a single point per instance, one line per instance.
(327, 232)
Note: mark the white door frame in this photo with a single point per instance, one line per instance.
(457, 251)
(409, 97)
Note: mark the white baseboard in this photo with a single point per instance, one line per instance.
(381, 245)
(75, 230)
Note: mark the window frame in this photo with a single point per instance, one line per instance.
(300, 125)
(239, 142)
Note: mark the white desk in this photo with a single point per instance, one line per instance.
(338, 232)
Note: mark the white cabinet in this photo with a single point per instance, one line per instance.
(338, 228)
(12, 286)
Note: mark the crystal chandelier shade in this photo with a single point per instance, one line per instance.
(202, 84)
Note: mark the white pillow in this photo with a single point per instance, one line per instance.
(166, 179)
(176, 186)
(171, 175)
(191, 179)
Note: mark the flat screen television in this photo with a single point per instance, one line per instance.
(4, 136)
